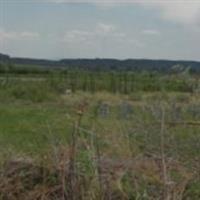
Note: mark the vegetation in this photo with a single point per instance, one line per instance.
(137, 65)
(77, 134)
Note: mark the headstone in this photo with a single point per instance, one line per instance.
(176, 112)
(104, 110)
(125, 110)
(156, 110)
(194, 111)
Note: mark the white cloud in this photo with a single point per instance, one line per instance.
(101, 30)
(13, 35)
(105, 28)
(151, 32)
(102, 36)
(181, 11)
(29, 35)
(76, 36)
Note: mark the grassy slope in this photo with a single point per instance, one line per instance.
(33, 126)
(26, 125)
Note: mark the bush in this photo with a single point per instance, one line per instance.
(34, 92)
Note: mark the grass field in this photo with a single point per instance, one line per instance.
(58, 144)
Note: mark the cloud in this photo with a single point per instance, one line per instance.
(13, 35)
(181, 11)
(178, 11)
(101, 31)
(29, 35)
(151, 32)
(76, 36)
(105, 28)
(101, 38)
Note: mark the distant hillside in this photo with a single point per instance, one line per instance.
(104, 64)
(130, 64)
(4, 58)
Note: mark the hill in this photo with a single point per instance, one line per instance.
(104, 64)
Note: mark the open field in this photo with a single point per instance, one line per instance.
(61, 140)
(99, 100)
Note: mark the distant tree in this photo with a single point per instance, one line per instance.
(113, 87)
(125, 83)
(84, 82)
(92, 83)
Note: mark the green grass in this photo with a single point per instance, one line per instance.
(38, 117)
(25, 127)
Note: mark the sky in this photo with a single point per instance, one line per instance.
(54, 29)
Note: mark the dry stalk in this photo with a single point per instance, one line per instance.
(72, 162)
(166, 192)
(99, 170)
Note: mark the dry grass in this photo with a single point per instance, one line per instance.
(109, 159)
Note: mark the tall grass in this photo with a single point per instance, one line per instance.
(151, 154)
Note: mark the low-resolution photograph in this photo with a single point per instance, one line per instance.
(99, 99)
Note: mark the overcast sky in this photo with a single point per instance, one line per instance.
(160, 29)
